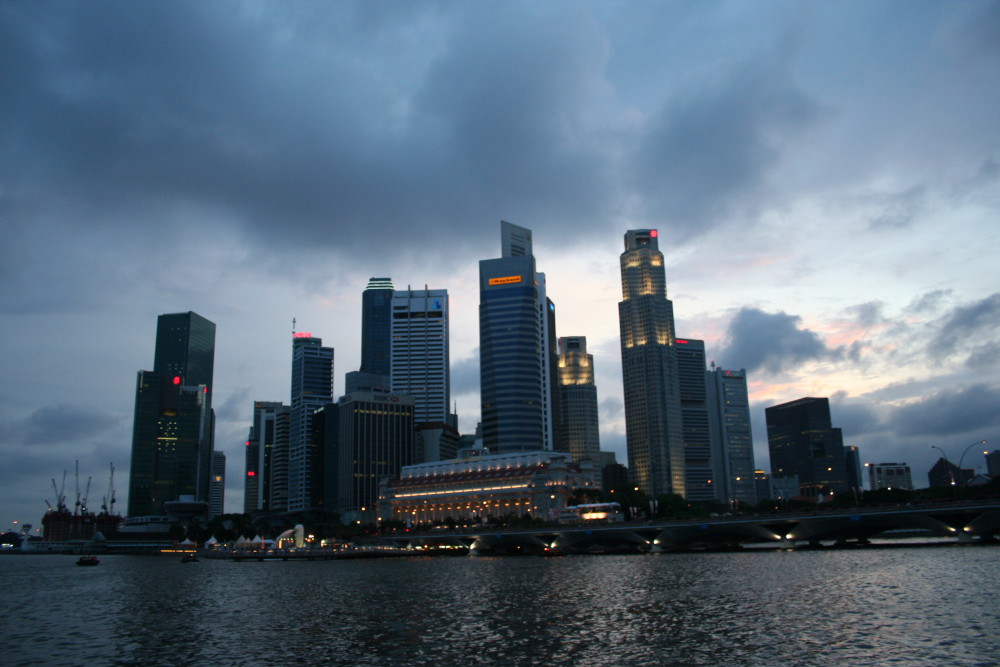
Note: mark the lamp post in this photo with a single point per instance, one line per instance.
(962, 458)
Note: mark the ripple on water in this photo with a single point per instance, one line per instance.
(856, 607)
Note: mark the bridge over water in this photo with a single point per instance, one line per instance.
(965, 522)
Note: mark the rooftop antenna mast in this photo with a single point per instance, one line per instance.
(293, 326)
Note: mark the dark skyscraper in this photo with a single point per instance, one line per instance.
(376, 320)
(266, 480)
(514, 348)
(312, 388)
(653, 424)
(701, 481)
(173, 427)
(802, 442)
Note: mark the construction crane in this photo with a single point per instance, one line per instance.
(108, 501)
(60, 497)
(86, 495)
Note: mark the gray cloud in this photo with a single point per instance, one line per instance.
(58, 424)
(771, 341)
(971, 410)
(707, 153)
(972, 329)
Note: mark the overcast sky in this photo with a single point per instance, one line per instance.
(825, 177)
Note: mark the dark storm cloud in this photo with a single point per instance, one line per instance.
(971, 329)
(58, 424)
(771, 341)
(709, 151)
(302, 125)
(971, 410)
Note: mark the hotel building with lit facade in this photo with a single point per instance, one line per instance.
(480, 488)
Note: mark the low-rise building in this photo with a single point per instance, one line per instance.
(482, 488)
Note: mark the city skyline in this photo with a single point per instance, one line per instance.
(826, 200)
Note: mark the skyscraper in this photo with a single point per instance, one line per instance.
(266, 475)
(579, 432)
(312, 388)
(653, 424)
(173, 427)
(852, 466)
(802, 442)
(217, 485)
(419, 351)
(376, 314)
(514, 352)
(701, 480)
(368, 436)
(729, 405)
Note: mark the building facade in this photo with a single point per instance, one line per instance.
(702, 482)
(653, 422)
(802, 442)
(579, 430)
(852, 466)
(265, 486)
(419, 351)
(376, 314)
(217, 485)
(369, 437)
(889, 476)
(481, 489)
(732, 435)
(173, 427)
(515, 386)
(312, 388)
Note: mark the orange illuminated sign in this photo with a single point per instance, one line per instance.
(506, 280)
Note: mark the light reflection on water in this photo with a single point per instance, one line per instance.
(915, 606)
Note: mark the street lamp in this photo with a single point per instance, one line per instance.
(962, 458)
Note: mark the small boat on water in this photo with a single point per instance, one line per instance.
(189, 558)
(87, 560)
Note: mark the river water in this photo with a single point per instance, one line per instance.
(893, 606)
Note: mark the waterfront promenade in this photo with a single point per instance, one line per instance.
(961, 521)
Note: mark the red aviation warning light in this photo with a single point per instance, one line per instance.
(653, 233)
(177, 379)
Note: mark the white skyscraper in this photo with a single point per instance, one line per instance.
(419, 352)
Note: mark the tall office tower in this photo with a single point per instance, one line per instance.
(802, 442)
(514, 348)
(579, 432)
(729, 408)
(654, 429)
(174, 424)
(890, 476)
(266, 443)
(419, 352)
(852, 466)
(367, 436)
(312, 388)
(217, 485)
(376, 315)
(701, 479)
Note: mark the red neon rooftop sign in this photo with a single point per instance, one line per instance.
(302, 334)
